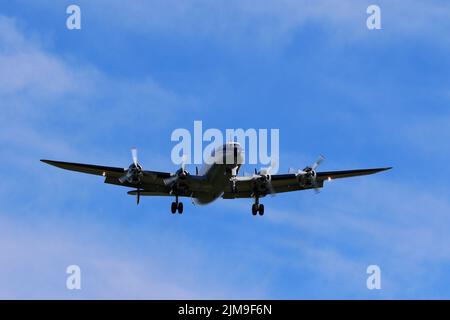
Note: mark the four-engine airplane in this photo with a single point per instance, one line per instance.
(218, 179)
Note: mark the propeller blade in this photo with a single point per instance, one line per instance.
(125, 177)
(314, 184)
(176, 175)
(267, 170)
(318, 162)
(183, 161)
(170, 180)
(271, 189)
(273, 164)
(134, 156)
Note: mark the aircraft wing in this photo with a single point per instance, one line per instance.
(331, 175)
(151, 182)
(246, 187)
(87, 168)
(111, 174)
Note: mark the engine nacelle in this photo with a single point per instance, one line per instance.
(307, 178)
(133, 175)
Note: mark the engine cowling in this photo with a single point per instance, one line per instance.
(264, 181)
(306, 177)
(133, 174)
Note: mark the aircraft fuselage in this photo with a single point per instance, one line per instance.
(224, 162)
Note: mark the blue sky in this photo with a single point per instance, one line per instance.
(136, 72)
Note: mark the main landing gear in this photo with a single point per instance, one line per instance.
(257, 208)
(176, 206)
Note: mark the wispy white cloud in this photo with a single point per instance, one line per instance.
(39, 87)
(30, 71)
(399, 226)
(34, 261)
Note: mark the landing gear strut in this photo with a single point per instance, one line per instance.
(257, 208)
(176, 206)
(233, 187)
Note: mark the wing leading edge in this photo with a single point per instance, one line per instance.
(325, 175)
(86, 168)
(100, 170)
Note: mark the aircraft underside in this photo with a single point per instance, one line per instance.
(220, 179)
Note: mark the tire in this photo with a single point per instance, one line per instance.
(261, 209)
(173, 208)
(180, 207)
(254, 209)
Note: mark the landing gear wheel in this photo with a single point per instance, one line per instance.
(254, 209)
(180, 207)
(173, 208)
(261, 209)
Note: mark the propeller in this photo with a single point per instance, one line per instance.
(134, 172)
(266, 176)
(309, 173)
(180, 173)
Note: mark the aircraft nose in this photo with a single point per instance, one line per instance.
(236, 146)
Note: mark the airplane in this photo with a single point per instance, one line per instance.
(219, 178)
